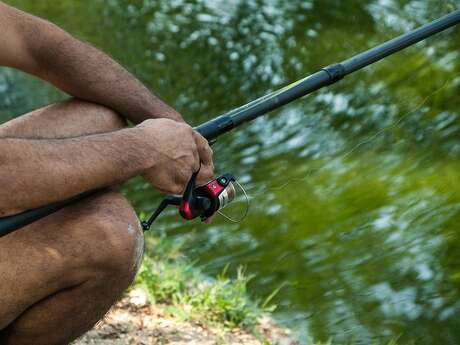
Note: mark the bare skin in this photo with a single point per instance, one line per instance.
(166, 152)
(74, 264)
(35, 172)
(61, 274)
(40, 48)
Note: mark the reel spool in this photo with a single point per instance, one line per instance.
(220, 192)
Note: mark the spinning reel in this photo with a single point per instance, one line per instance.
(203, 201)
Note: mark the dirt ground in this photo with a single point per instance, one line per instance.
(134, 321)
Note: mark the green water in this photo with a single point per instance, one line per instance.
(355, 191)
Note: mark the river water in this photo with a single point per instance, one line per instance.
(354, 191)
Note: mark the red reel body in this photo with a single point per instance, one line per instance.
(206, 200)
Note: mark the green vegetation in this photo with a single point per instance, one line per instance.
(172, 280)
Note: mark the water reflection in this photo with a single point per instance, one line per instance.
(355, 195)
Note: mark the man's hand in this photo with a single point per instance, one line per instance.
(179, 152)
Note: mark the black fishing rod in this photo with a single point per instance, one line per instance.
(326, 76)
(205, 200)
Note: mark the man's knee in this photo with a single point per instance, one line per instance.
(114, 240)
(96, 245)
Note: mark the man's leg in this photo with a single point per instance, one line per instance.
(60, 275)
(67, 119)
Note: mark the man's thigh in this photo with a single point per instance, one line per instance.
(33, 260)
(67, 119)
(72, 118)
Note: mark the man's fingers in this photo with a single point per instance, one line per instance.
(205, 175)
(204, 150)
(206, 158)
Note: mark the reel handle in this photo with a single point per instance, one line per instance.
(168, 200)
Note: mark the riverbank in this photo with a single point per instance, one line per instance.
(135, 321)
(173, 302)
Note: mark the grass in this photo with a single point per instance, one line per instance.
(172, 280)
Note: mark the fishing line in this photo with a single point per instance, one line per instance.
(368, 140)
(401, 119)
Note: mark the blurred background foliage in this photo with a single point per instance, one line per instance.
(355, 194)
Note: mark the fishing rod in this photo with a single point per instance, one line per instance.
(204, 201)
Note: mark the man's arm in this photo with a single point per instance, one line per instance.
(37, 172)
(38, 47)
